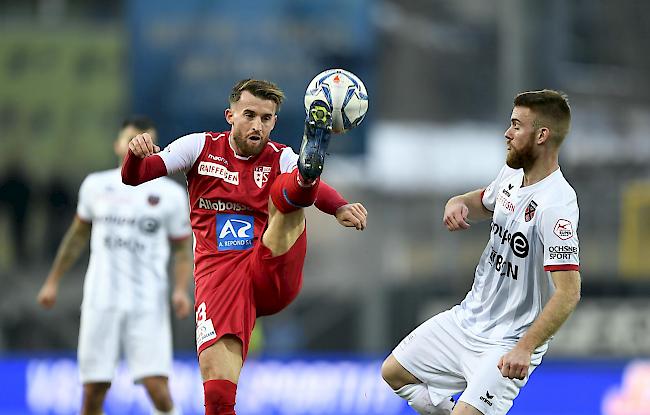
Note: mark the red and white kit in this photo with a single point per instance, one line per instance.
(236, 277)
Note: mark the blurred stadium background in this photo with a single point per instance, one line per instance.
(441, 75)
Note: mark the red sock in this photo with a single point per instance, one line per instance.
(288, 195)
(219, 397)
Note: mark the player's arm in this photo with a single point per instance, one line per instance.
(141, 164)
(351, 215)
(463, 208)
(73, 243)
(515, 363)
(182, 265)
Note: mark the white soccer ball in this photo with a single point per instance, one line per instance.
(345, 94)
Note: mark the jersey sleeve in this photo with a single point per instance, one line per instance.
(489, 194)
(179, 215)
(84, 207)
(558, 231)
(288, 160)
(182, 153)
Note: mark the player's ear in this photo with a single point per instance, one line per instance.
(543, 134)
(229, 115)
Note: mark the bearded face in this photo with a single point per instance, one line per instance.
(520, 139)
(523, 157)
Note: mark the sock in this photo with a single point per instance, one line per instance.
(289, 193)
(418, 398)
(173, 411)
(219, 397)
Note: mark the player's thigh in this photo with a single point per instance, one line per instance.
(432, 353)
(148, 343)
(99, 344)
(487, 389)
(277, 280)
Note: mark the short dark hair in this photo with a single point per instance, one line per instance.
(139, 122)
(551, 108)
(261, 89)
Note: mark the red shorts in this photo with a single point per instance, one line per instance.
(244, 287)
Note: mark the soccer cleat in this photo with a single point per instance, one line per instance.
(318, 129)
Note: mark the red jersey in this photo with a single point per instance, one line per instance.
(228, 194)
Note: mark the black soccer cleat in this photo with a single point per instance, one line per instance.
(318, 129)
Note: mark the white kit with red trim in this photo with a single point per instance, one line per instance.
(533, 232)
(129, 245)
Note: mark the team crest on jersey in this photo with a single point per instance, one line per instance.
(530, 211)
(153, 200)
(261, 175)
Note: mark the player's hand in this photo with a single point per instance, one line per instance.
(455, 216)
(181, 303)
(142, 145)
(352, 215)
(514, 364)
(47, 295)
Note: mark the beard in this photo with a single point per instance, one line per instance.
(248, 148)
(522, 159)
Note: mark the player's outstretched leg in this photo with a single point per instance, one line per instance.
(296, 190)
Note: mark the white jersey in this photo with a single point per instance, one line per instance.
(533, 232)
(129, 245)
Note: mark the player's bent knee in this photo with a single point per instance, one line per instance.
(395, 375)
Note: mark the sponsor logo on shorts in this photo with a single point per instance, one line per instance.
(205, 332)
(563, 229)
(487, 398)
(562, 251)
(207, 168)
(234, 232)
(220, 205)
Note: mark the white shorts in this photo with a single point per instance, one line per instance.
(448, 361)
(144, 337)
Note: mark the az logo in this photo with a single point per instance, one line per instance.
(235, 232)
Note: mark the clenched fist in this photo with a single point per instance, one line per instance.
(142, 145)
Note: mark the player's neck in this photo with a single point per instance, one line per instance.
(541, 169)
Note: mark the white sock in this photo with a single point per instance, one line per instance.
(174, 411)
(418, 398)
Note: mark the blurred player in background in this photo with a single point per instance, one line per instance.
(246, 199)
(125, 301)
(525, 286)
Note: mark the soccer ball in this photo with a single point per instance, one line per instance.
(345, 94)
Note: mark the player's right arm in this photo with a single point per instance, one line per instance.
(145, 162)
(461, 209)
(73, 243)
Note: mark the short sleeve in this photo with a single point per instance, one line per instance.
(559, 234)
(288, 160)
(84, 206)
(182, 153)
(179, 214)
(489, 194)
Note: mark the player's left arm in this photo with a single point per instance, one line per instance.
(350, 215)
(182, 266)
(515, 363)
